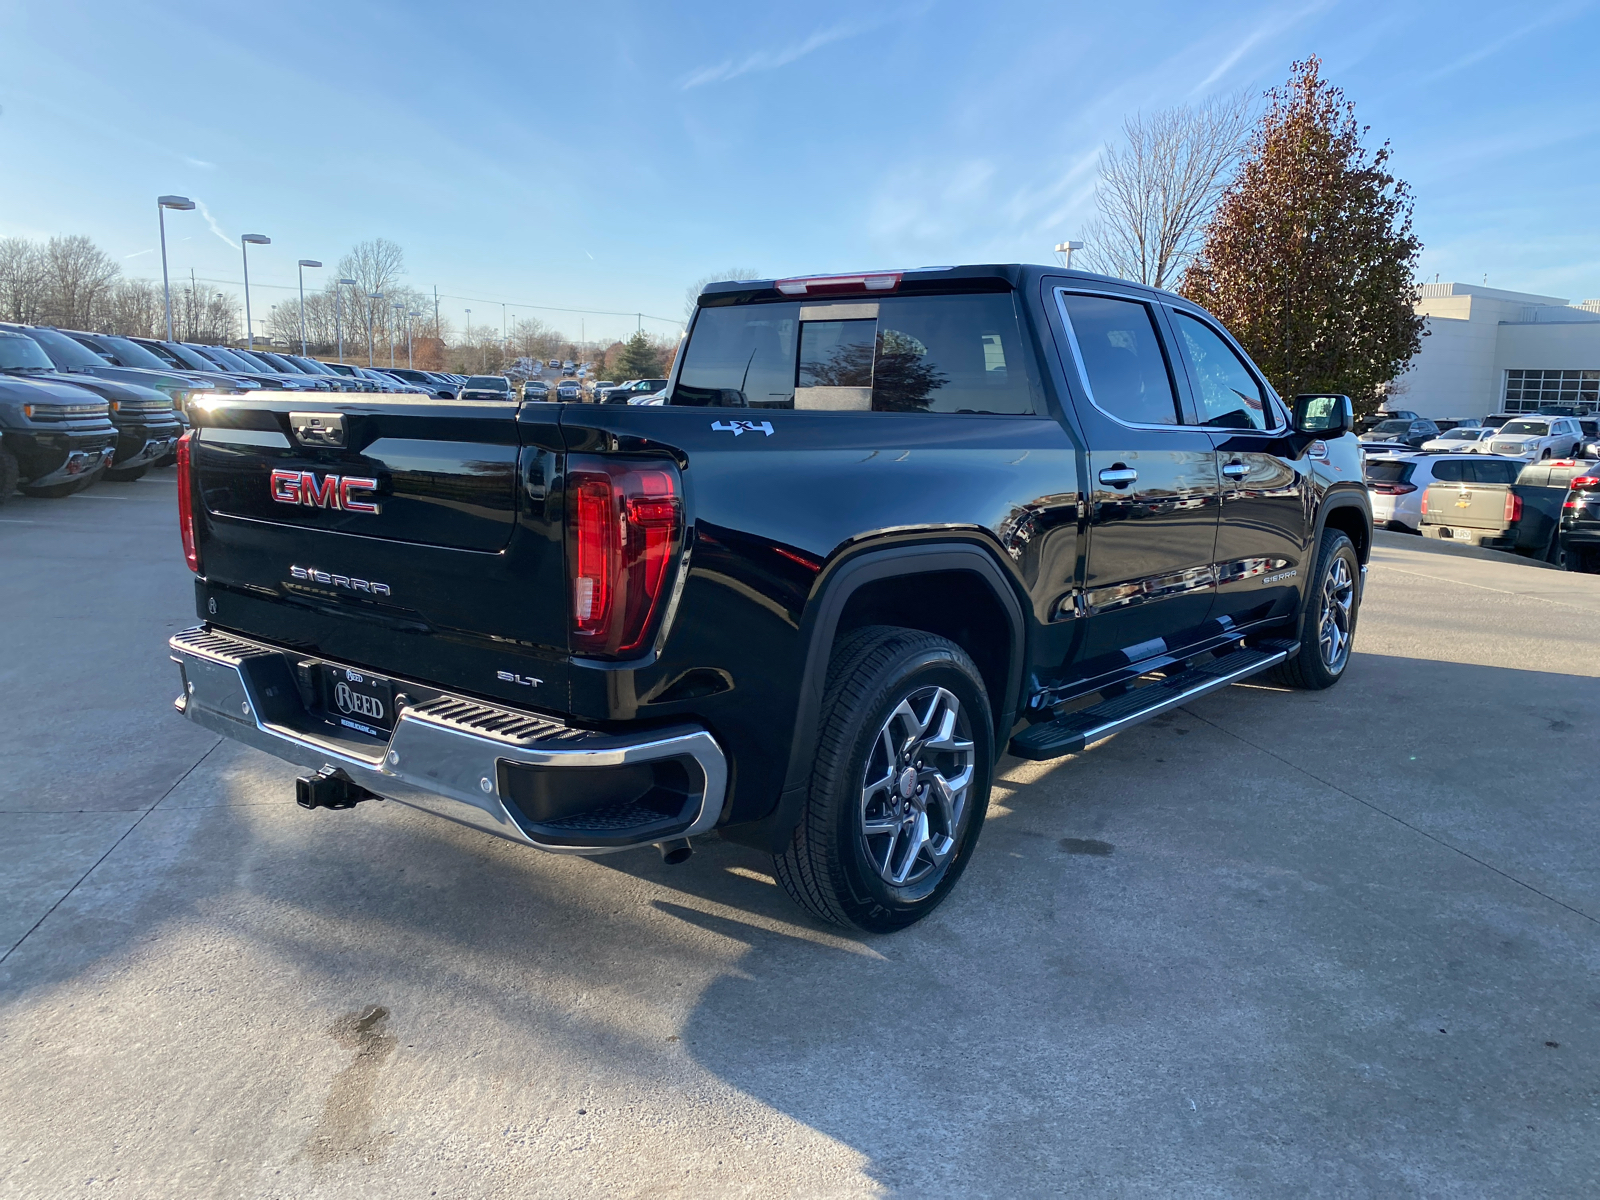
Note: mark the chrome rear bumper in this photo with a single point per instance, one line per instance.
(448, 754)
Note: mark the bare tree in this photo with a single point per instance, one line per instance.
(21, 280)
(78, 277)
(1157, 192)
(691, 294)
(211, 318)
(133, 308)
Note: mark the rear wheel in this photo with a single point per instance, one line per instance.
(1329, 626)
(899, 784)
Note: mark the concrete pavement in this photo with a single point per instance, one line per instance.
(1274, 942)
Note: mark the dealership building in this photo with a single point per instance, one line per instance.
(1491, 351)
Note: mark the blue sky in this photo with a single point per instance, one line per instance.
(603, 155)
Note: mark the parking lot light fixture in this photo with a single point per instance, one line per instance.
(1065, 249)
(304, 263)
(177, 204)
(245, 242)
(338, 330)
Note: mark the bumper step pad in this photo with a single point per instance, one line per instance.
(1071, 733)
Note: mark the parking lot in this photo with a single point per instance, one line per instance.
(1272, 943)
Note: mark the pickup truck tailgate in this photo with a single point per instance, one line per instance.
(399, 533)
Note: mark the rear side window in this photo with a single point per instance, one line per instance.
(1451, 471)
(1228, 395)
(1489, 471)
(1120, 359)
(913, 354)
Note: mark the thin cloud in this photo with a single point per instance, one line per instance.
(140, 253)
(212, 221)
(771, 60)
(201, 163)
(1500, 43)
(1269, 28)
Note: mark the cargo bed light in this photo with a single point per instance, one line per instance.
(826, 285)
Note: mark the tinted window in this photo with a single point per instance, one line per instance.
(961, 354)
(488, 383)
(134, 355)
(1526, 428)
(1390, 472)
(23, 353)
(1392, 427)
(1451, 471)
(1228, 395)
(64, 352)
(1121, 359)
(1489, 471)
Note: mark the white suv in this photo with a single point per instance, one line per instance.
(1396, 482)
(1538, 437)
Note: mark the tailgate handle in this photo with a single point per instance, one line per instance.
(317, 429)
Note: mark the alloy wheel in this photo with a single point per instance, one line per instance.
(916, 785)
(1338, 605)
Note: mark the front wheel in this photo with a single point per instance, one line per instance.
(899, 784)
(1329, 625)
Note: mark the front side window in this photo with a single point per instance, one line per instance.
(1227, 393)
(947, 354)
(1120, 359)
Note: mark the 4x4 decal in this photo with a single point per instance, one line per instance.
(738, 427)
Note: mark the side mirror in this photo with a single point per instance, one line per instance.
(1323, 416)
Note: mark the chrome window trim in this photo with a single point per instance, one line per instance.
(1083, 374)
(1278, 407)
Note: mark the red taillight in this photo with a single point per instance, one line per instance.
(823, 285)
(1424, 503)
(622, 531)
(1513, 508)
(1392, 489)
(191, 552)
(1588, 482)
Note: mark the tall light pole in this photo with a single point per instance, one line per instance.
(409, 317)
(177, 204)
(469, 330)
(304, 263)
(245, 242)
(1065, 249)
(399, 310)
(371, 296)
(339, 286)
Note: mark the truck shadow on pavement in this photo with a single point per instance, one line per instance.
(1284, 964)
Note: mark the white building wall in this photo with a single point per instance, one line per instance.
(1476, 334)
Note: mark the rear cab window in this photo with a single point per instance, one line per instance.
(1392, 471)
(961, 353)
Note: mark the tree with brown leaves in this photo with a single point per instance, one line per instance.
(1310, 259)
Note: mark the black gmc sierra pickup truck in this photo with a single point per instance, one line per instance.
(885, 528)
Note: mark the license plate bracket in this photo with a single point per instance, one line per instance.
(359, 700)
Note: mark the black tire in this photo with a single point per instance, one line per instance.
(1309, 667)
(1544, 456)
(169, 459)
(55, 491)
(9, 474)
(125, 474)
(831, 866)
(1555, 553)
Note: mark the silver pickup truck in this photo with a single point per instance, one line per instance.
(1501, 504)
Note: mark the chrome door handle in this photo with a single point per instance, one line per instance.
(1235, 470)
(1118, 476)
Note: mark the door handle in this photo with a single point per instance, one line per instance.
(1235, 470)
(1118, 476)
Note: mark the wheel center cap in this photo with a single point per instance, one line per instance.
(908, 782)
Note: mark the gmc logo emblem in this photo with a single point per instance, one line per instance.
(334, 491)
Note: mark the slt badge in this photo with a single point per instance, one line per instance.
(738, 427)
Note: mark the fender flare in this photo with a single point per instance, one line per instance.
(818, 628)
(1344, 496)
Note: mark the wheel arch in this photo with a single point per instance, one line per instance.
(865, 588)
